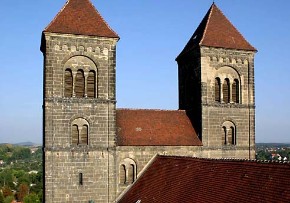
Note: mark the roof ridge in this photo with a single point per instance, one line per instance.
(214, 5)
(206, 25)
(225, 159)
(102, 17)
(80, 17)
(55, 17)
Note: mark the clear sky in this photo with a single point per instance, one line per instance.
(152, 34)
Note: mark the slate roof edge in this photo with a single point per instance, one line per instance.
(237, 160)
(72, 34)
(139, 109)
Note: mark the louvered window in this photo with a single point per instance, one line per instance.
(123, 174)
(235, 90)
(84, 135)
(217, 90)
(91, 84)
(80, 84)
(75, 135)
(226, 91)
(68, 83)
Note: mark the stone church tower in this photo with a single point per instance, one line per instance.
(216, 86)
(92, 151)
(79, 106)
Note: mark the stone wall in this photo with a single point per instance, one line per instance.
(228, 64)
(79, 172)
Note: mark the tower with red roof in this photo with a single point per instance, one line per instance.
(216, 87)
(79, 105)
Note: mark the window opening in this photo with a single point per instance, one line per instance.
(91, 84)
(226, 91)
(217, 90)
(80, 178)
(68, 83)
(80, 84)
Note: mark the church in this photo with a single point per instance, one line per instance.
(95, 152)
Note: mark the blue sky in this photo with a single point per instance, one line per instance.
(152, 35)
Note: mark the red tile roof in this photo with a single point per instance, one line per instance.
(155, 128)
(81, 18)
(215, 30)
(187, 180)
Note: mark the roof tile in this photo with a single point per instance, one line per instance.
(155, 128)
(80, 17)
(187, 180)
(215, 30)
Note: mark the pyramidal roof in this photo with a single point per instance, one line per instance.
(80, 17)
(215, 30)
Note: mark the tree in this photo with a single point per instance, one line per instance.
(31, 198)
(8, 199)
(22, 191)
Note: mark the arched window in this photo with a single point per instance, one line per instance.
(224, 137)
(84, 135)
(80, 132)
(229, 133)
(226, 91)
(235, 91)
(80, 84)
(131, 173)
(217, 90)
(128, 167)
(68, 83)
(91, 84)
(123, 174)
(233, 136)
(75, 135)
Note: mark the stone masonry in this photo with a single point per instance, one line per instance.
(65, 162)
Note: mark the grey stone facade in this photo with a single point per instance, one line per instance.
(65, 164)
(198, 70)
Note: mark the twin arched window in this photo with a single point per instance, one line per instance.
(128, 171)
(227, 92)
(229, 133)
(79, 84)
(80, 132)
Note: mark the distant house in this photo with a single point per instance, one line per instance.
(32, 172)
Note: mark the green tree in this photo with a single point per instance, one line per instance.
(8, 199)
(21, 153)
(31, 198)
(263, 155)
(6, 178)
